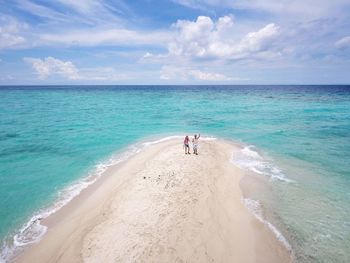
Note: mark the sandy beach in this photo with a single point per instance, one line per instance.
(161, 206)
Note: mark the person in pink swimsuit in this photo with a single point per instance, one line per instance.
(187, 145)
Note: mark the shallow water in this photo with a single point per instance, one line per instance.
(296, 137)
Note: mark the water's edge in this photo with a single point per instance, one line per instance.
(246, 159)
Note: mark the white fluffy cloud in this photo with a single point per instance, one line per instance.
(10, 32)
(205, 38)
(182, 73)
(203, 43)
(53, 66)
(343, 42)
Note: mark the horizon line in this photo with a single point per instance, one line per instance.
(106, 85)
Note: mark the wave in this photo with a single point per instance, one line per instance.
(255, 208)
(162, 140)
(33, 231)
(249, 159)
(209, 139)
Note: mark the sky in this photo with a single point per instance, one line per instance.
(174, 42)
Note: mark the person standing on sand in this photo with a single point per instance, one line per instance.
(187, 145)
(195, 144)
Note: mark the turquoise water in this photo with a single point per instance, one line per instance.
(52, 136)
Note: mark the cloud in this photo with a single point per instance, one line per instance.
(343, 42)
(97, 36)
(104, 74)
(188, 3)
(93, 7)
(71, 12)
(210, 76)
(86, 6)
(84, 23)
(7, 77)
(293, 10)
(185, 73)
(10, 32)
(205, 38)
(264, 36)
(297, 9)
(153, 58)
(98, 12)
(42, 11)
(194, 4)
(53, 66)
(260, 40)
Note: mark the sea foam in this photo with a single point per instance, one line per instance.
(248, 158)
(255, 208)
(32, 231)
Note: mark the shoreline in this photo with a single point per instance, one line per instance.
(71, 192)
(88, 204)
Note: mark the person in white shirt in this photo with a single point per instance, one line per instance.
(195, 143)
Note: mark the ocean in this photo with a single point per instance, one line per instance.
(295, 147)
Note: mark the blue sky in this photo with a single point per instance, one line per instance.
(174, 42)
